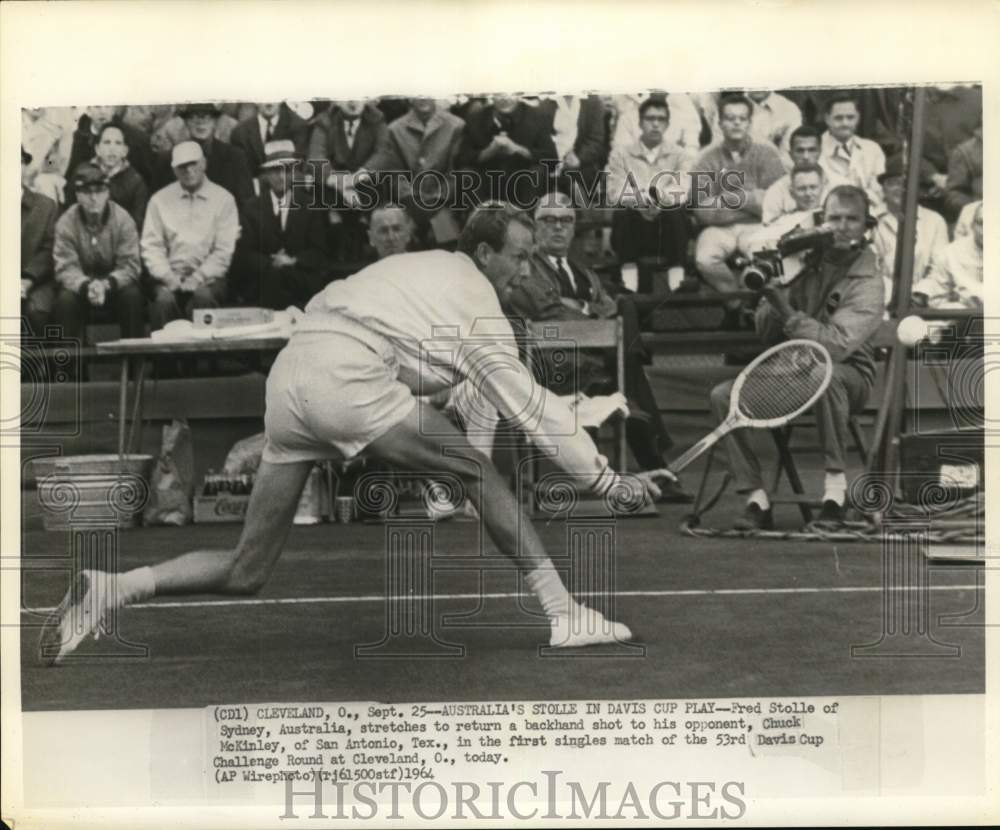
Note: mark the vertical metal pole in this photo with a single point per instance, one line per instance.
(887, 451)
(122, 409)
(621, 428)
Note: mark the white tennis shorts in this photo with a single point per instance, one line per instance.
(331, 393)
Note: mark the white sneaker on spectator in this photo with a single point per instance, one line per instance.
(584, 626)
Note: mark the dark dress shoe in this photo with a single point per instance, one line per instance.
(831, 512)
(755, 517)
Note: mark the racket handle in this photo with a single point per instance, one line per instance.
(697, 449)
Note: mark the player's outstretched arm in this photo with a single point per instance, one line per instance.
(508, 384)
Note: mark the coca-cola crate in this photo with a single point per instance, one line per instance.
(224, 507)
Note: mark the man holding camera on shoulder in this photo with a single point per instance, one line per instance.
(837, 301)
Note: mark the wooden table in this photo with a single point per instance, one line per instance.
(143, 347)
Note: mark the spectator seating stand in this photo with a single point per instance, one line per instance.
(568, 335)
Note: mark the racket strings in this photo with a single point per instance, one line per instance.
(784, 383)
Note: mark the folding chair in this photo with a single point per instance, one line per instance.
(883, 338)
(786, 464)
(569, 335)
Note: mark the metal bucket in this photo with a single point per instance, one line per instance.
(79, 490)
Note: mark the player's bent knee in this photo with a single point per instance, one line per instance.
(244, 584)
(239, 578)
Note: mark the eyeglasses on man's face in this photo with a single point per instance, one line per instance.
(556, 221)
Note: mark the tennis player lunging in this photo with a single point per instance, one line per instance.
(345, 383)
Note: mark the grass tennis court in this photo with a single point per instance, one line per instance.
(717, 619)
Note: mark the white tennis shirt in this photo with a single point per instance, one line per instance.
(442, 316)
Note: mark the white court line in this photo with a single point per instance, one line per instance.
(694, 592)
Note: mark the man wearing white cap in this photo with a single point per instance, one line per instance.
(188, 239)
(281, 256)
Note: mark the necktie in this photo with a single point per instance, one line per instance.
(350, 127)
(566, 278)
(280, 215)
(272, 125)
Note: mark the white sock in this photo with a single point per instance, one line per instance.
(759, 497)
(136, 585)
(835, 488)
(546, 584)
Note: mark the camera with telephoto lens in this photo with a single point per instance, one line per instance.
(768, 264)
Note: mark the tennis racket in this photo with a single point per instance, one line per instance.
(778, 386)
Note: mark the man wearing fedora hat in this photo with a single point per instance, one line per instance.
(172, 130)
(226, 165)
(188, 239)
(281, 254)
(97, 259)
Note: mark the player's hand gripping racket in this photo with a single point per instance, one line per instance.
(778, 386)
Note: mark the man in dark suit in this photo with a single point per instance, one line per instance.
(579, 134)
(227, 165)
(38, 233)
(280, 257)
(273, 122)
(505, 145)
(559, 288)
(343, 142)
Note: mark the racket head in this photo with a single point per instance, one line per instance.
(780, 384)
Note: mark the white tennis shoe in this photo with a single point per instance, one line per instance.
(584, 626)
(82, 612)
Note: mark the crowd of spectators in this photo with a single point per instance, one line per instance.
(137, 214)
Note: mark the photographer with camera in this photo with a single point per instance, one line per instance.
(836, 301)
